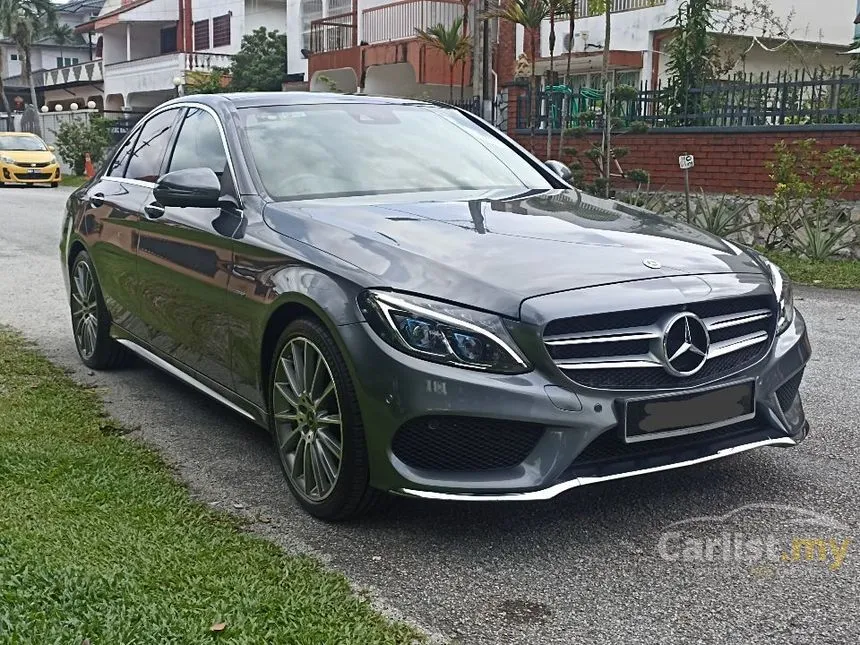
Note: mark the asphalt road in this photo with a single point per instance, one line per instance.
(586, 567)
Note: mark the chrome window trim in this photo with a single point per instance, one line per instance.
(172, 106)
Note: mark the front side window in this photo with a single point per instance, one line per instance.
(18, 142)
(199, 144)
(117, 167)
(345, 150)
(148, 153)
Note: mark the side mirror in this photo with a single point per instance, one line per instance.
(192, 187)
(559, 169)
(51, 148)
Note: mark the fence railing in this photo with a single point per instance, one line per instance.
(333, 33)
(784, 99)
(399, 20)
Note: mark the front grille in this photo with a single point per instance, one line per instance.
(622, 350)
(38, 176)
(787, 392)
(464, 443)
(38, 164)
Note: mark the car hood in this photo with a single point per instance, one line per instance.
(29, 156)
(493, 250)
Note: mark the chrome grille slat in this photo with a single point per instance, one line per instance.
(733, 320)
(736, 344)
(614, 350)
(643, 360)
(642, 333)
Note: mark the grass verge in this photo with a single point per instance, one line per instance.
(833, 274)
(73, 180)
(98, 542)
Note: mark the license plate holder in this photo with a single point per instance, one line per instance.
(669, 415)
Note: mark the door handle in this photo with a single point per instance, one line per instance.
(97, 199)
(153, 210)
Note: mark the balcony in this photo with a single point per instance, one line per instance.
(156, 74)
(398, 20)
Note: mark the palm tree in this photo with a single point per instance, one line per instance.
(554, 7)
(570, 7)
(607, 97)
(451, 42)
(23, 21)
(530, 14)
(62, 35)
(465, 4)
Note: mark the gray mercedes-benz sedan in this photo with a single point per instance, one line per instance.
(412, 303)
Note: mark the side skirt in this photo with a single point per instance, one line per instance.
(190, 377)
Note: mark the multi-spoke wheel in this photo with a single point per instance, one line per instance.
(316, 424)
(90, 318)
(307, 417)
(84, 305)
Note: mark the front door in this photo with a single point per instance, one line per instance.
(184, 262)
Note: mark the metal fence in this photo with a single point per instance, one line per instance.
(499, 116)
(795, 98)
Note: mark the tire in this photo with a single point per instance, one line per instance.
(303, 425)
(90, 318)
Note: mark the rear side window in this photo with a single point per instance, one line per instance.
(117, 167)
(148, 152)
(199, 144)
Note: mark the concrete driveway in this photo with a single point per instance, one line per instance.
(587, 567)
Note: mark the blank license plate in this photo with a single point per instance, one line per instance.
(663, 416)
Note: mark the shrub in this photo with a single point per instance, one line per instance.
(807, 215)
(77, 137)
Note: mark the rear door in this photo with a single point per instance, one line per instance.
(184, 263)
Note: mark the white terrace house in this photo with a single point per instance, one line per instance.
(149, 47)
(818, 32)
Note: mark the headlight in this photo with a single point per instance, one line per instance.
(443, 333)
(784, 293)
(7, 159)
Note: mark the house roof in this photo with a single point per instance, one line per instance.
(108, 18)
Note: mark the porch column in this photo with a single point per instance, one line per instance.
(128, 41)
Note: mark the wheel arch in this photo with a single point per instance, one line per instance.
(293, 306)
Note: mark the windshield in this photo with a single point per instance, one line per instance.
(345, 150)
(17, 142)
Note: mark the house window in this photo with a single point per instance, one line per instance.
(168, 39)
(310, 10)
(221, 30)
(14, 57)
(201, 35)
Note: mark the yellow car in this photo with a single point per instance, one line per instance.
(25, 159)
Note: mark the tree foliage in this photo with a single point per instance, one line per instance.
(259, 65)
(452, 42)
(77, 137)
(691, 54)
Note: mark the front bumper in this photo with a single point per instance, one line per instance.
(13, 173)
(579, 441)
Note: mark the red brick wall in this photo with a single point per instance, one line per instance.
(726, 162)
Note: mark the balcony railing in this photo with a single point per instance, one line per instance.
(206, 62)
(87, 72)
(333, 33)
(587, 9)
(399, 20)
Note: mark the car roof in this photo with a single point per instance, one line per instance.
(261, 99)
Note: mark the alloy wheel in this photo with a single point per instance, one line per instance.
(84, 310)
(307, 418)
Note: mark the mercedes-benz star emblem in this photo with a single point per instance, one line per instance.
(651, 264)
(685, 344)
